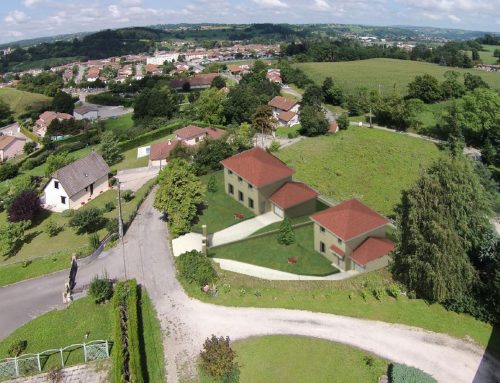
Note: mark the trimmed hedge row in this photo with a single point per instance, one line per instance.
(401, 373)
(127, 356)
(149, 136)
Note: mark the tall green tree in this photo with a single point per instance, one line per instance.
(313, 96)
(63, 103)
(472, 81)
(55, 162)
(156, 102)
(210, 106)
(426, 88)
(109, 148)
(313, 121)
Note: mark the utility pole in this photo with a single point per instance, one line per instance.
(371, 116)
(120, 228)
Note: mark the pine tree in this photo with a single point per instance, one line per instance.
(212, 184)
(286, 235)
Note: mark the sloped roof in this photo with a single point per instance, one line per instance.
(215, 133)
(85, 109)
(337, 250)
(190, 131)
(258, 167)
(5, 141)
(291, 194)
(81, 173)
(282, 103)
(349, 219)
(371, 249)
(197, 80)
(286, 116)
(162, 150)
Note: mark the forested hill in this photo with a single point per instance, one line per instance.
(98, 45)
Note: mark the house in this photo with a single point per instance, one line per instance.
(192, 135)
(86, 113)
(11, 130)
(159, 153)
(333, 127)
(77, 183)
(93, 74)
(288, 118)
(11, 146)
(263, 183)
(285, 110)
(352, 236)
(274, 75)
(46, 118)
(198, 81)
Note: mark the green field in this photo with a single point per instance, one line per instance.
(295, 359)
(18, 100)
(388, 74)
(368, 164)
(487, 54)
(122, 122)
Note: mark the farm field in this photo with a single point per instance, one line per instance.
(296, 359)
(389, 74)
(487, 55)
(369, 164)
(18, 100)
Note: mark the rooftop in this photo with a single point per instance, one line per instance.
(292, 194)
(162, 150)
(372, 248)
(282, 103)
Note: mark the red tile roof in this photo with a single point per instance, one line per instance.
(292, 194)
(334, 128)
(286, 116)
(349, 219)
(5, 141)
(371, 249)
(337, 250)
(282, 103)
(197, 80)
(161, 150)
(190, 131)
(258, 167)
(214, 133)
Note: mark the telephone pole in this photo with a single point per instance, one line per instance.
(120, 228)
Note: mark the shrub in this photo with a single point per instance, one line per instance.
(94, 241)
(393, 290)
(101, 289)
(275, 146)
(343, 121)
(212, 184)
(17, 348)
(87, 221)
(52, 228)
(24, 207)
(8, 170)
(293, 134)
(378, 292)
(128, 195)
(68, 213)
(217, 359)
(112, 225)
(109, 206)
(12, 237)
(286, 235)
(194, 267)
(29, 147)
(400, 373)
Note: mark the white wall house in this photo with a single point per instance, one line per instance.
(75, 184)
(86, 113)
(159, 59)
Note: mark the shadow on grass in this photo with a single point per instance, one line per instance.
(142, 347)
(489, 367)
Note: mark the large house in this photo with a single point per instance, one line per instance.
(86, 113)
(11, 146)
(159, 153)
(77, 183)
(192, 135)
(46, 118)
(198, 81)
(285, 110)
(352, 236)
(263, 183)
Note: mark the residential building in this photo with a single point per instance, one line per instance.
(160, 58)
(192, 135)
(93, 74)
(263, 183)
(86, 113)
(77, 183)
(198, 81)
(46, 118)
(352, 236)
(159, 153)
(11, 146)
(11, 130)
(285, 110)
(288, 118)
(274, 75)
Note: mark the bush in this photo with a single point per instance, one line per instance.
(87, 221)
(194, 267)
(8, 170)
(24, 207)
(286, 235)
(101, 289)
(112, 225)
(393, 290)
(94, 241)
(128, 195)
(217, 359)
(400, 373)
(109, 206)
(52, 228)
(212, 184)
(293, 134)
(68, 213)
(17, 348)
(275, 146)
(343, 121)
(29, 147)
(32, 163)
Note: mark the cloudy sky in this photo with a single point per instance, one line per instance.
(20, 19)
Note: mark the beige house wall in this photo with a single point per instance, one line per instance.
(100, 186)
(308, 207)
(378, 263)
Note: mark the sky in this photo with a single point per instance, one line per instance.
(21, 19)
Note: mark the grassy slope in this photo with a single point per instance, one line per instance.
(61, 328)
(124, 121)
(369, 164)
(487, 55)
(384, 72)
(266, 251)
(304, 360)
(221, 208)
(19, 100)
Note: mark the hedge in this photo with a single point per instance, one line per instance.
(149, 136)
(30, 134)
(401, 373)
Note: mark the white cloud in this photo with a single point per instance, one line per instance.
(132, 3)
(454, 18)
(16, 17)
(31, 3)
(114, 11)
(271, 3)
(321, 5)
(14, 34)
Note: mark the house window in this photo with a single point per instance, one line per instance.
(63, 200)
(339, 241)
(230, 172)
(240, 179)
(56, 184)
(321, 229)
(250, 187)
(230, 188)
(250, 203)
(197, 139)
(322, 247)
(241, 197)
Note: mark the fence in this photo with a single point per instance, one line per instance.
(35, 363)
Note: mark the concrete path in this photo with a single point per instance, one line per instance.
(134, 179)
(243, 229)
(276, 275)
(186, 242)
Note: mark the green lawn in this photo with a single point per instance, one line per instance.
(369, 164)
(295, 359)
(385, 73)
(486, 55)
(266, 251)
(61, 328)
(121, 122)
(283, 131)
(431, 114)
(18, 100)
(220, 208)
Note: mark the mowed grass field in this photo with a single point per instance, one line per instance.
(486, 54)
(18, 100)
(369, 164)
(389, 74)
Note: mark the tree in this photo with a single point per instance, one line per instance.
(245, 134)
(181, 151)
(12, 237)
(24, 207)
(209, 154)
(210, 106)
(87, 220)
(472, 81)
(455, 142)
(451, 87)
(167, 67)
(241, 104)
(440, 221)
(156, 102)
(286, 235)
(109, 148)
(398, 113)
(313, 96)
(313, 121)
(212, 186)
(5, 114)
(217, 359)
(8, 170)
(179, 195)
(263, 120)
(358, 102)
(426, 88)
(63, 103)
(218, 82)
(343, 121)
(29, 147)
(55, 162)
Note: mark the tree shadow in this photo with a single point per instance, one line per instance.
(488, 370)
(142, 346)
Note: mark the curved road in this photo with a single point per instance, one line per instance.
(186, 322)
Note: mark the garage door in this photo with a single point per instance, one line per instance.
(278, 211)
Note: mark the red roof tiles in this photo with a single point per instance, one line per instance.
(282, 103)
(258, 167)
(337, 250)
(190, 131)
(292, 194)
(372, 248)
(287, 116)
(161, 150)
(349, 219)
(214, 133)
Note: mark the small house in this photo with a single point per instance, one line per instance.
(192, 135)
(159, 153)
(86, 113)
(11, 146)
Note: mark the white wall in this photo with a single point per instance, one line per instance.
(143, 151)
(89, 115)
(53, 196)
